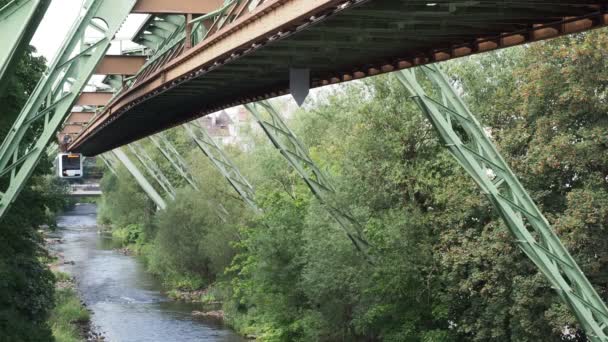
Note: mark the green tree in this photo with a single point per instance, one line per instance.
(441, 264)
(546, 110)
(27, 285)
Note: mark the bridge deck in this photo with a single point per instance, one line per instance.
(337, 40)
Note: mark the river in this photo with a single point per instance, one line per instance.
(127, 303)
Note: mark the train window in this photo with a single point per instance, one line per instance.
(70, 165)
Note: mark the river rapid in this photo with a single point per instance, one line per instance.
(127, 303)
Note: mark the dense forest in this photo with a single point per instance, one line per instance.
(444, 266)
(26, 284)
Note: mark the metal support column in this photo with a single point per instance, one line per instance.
(227, 168)
(170, 153)
(141, 180)
(57, 92)
(152, 168)
(52, 150)
(179, 164)
(109, 164)
(297, 156)
(19, 20)
(468, 143)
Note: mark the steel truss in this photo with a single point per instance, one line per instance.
(226, 167)
(18, 22)
(57, 92)
(109, 162)
(468, 143)
(152, 168)
(174, 157)
(52, 149)
(179, 164)
(139, 177)
(297, 156)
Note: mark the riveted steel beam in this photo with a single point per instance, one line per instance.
(80, 117)
(57, 92)
(96, 99)
(296, 154)
(326, 39)
(166, 22)
(466, 140)
(18, 22)
(166, 26)
(181, 6)
(152, 168)
(221, 161)
(160, 32)
(127, 65)
(172, 155)
(114, 81)
(73, 125)
(52, 149)
(71, 129)
(109, 163)
(179, 164)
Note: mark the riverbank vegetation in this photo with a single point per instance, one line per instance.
(444, 266)
(69, 317)
(26, 283)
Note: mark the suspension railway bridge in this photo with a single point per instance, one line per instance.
(200, 56)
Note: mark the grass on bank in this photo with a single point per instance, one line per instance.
(68, 315)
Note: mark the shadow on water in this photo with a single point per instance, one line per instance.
(126, 302)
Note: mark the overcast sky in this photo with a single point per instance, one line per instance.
(61, 15)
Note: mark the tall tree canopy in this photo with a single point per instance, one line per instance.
(26, 284)
(444, 266)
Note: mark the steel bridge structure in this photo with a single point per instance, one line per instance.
(200, 56)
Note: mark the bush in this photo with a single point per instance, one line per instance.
(130, 234)
(67, 316)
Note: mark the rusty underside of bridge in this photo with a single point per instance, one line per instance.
(338, 41)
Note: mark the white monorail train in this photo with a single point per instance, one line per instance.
(69, 165)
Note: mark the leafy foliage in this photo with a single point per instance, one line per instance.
(67, 313)
(26, 295)
(443, 267)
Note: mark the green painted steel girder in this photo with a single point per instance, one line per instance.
(52, 149)
(221, 161)
(141, 180)
(532, 232)
(165, 25)
(159, 32)
(167, 44)
(153, 38)
(169, 22)
(153, 169)
(173, 156)
(19, 20)
(109, 164)
(147, 43)
(175, 19)
(56, 93)
(114, 81)
(296, 154)
(179, 164)
(156, 173)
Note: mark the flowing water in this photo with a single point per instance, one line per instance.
(127, 303)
